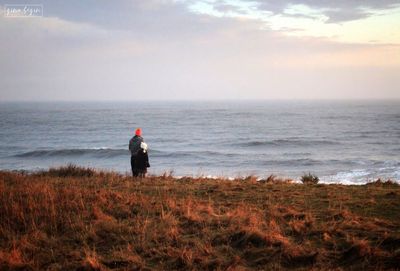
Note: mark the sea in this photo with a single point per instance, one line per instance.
(349, 142)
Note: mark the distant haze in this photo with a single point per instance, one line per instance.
(206, 49)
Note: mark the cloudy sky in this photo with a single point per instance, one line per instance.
(200, 49)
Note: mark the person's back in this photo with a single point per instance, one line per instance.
(134, 147)
(141, 161)
(134, 143)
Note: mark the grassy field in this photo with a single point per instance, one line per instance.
(78, 219)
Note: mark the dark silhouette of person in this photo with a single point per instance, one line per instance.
(134, 147)
(141, 162)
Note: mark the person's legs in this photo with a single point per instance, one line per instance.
(134, 172)
(142, 172)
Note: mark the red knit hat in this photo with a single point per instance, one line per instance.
(138, 132)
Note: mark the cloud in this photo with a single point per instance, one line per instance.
(336, 11)
(143, 19)
(169, 52)
(333, 11)
(343, 21)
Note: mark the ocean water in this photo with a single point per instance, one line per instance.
(339, 141)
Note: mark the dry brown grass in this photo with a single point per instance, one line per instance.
(79, 219)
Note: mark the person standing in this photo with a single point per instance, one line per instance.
(134, 147)
(141, 162)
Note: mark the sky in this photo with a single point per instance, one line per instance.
(131, 50)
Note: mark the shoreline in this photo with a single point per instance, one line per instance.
(205, 176)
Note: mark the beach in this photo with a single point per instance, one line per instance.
(74, 218)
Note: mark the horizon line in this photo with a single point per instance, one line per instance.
(202, 100)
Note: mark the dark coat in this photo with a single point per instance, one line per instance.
(141, 162)
(134, 144)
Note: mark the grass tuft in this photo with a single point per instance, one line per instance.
(309, 179)
(70, 170)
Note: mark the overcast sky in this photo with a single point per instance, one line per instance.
(201, 49)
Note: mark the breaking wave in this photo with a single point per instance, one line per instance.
(99, 152)
(288, 142)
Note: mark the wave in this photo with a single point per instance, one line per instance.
(190, 154)
(95, 152)
(293, 162)
(111, 153)
(288, 142)
(296, 154)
